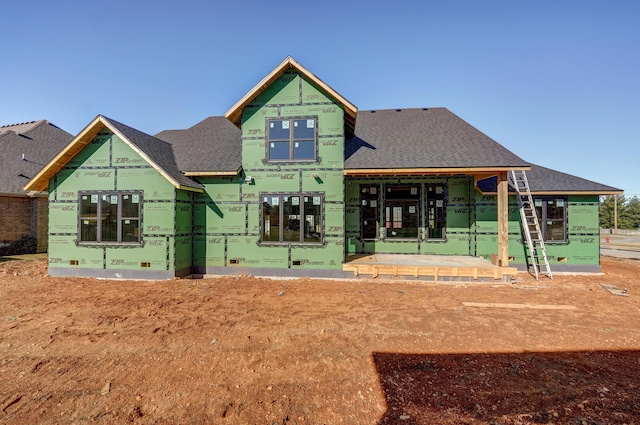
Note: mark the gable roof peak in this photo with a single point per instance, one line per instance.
(234, 114)
(158, 153)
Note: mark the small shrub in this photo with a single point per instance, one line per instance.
(24, 245)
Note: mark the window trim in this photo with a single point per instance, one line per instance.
(366, 197)
(281, 196)
(391, 203)
(543, 220)
(119, 219)
(443, 218)
(291, 139)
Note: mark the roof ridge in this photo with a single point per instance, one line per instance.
(22, 128)
(18, 123)
(134, 129)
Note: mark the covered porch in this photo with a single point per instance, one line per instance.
(444, 229)
(436, 268)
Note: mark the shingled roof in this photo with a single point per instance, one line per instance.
(158, 153)
(212, 145)
(429, 138)
(24, 149)
(545, 181)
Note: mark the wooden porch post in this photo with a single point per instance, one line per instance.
(503, 219)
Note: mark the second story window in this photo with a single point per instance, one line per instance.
(291, 139)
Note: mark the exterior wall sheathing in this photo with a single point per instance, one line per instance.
(108, 164)
(228, 214)
(219, 230)
(472, 228)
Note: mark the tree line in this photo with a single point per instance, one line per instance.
(628, 212)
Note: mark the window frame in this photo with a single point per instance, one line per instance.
(302, 218)
(439, 213)
(120, 219)
(291, 140)
(370, 193)
(544, 220)
(392, 204)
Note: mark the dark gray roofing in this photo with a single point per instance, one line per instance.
(542, 179)
(159, 151)
(24, 149)
(21, 127)
(213, 144)
(422, 138)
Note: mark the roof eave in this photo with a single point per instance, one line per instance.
(41, 180)
(566, 192)
(190, 188)
(476, 171)
(146, 157)
(211, 173)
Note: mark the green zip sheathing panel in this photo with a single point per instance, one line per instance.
(472, 228)
(227, 217)
(108, 165)
(458, 218)
(579, 252)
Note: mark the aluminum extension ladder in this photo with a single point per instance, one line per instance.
(530, 224)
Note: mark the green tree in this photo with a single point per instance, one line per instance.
(607, 210)
(631, 216)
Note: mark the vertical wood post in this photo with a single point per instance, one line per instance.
(503, 219)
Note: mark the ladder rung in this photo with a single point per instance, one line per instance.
(528, 214)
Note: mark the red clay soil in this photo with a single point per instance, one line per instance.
(242, 350)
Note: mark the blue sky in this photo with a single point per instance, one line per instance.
(556, 82)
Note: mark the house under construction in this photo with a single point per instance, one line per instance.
(294, 180)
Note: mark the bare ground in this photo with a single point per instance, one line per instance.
(242, 350)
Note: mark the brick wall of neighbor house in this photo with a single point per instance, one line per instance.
(13, 210)
(40, 222)
(13, 226)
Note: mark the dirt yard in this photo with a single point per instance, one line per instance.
(258, 351)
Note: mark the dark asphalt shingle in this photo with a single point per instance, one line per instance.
(422, 138)
(38, 141)
(159, 151)
(213, 144)
(542, 179)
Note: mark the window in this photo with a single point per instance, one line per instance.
(109, 217)
(436, 211)
(291, 139)
(552, 217)
(369, 221)
(402, 211)
(292, 218)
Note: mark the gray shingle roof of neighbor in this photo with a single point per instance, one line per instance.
(213, 144)
(542, 179)
(159, 151)
(24, 149)
(422, 138)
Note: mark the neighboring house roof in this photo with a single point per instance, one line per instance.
(24, 149)
(545, 181)
(212, 146)
(429, 138)
(158, 153)
(234, 114)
